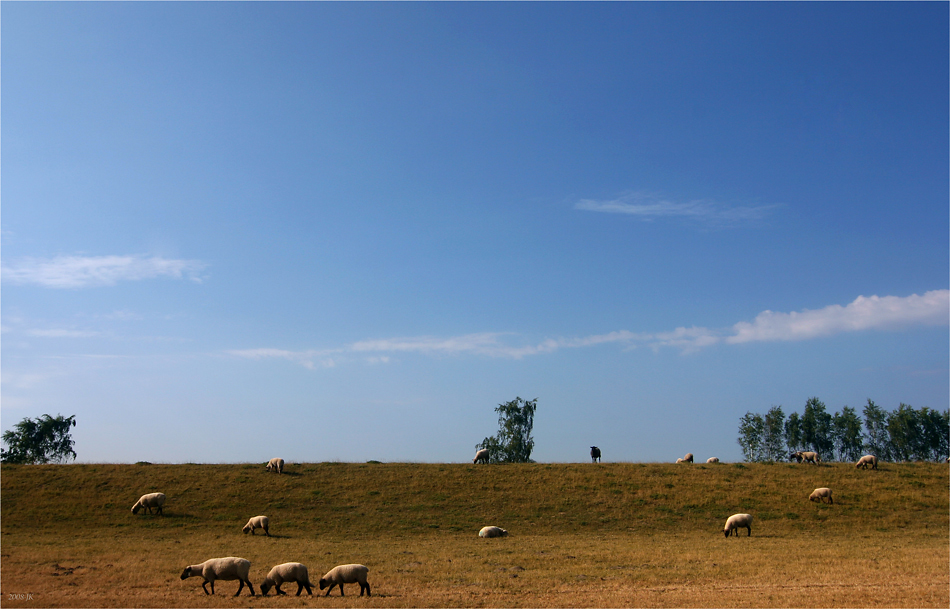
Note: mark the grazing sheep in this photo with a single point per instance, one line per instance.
(492, 532)
(810, 457)
(738, 521)
(287, 572)
(712, 460)
(257, 522)
(866, 460)
(221, 568)
(820, 494)
(346, 574)
(149, 501)
(594, 454)
(275, 465)
(481, 455)
(688, 458)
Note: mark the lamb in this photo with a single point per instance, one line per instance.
(257, 522)
(820, 494)
(149, 501)
(221, 568)
(275, 465)
(287, 572)
(346, 574)
(481, 455)
(594, 454)
(492, 532)
(712, 460)
(866, 460)
(736, 522)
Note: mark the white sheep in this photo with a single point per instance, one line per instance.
(688, 458)
(149, 501)
(287, 572)
(594, 454)
(275, 465)
(346, 574)
(257, 522)
(820, 494)
(712, 460)
(229, 568)
(481, 455)
(866, 460)
(738, 521)
(810, 457)
(492, 532)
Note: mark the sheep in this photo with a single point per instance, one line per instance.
(275, 465)
(221, 568)
(680, 460)
(149, 501)
(481, 455)
(688, 458)
(810, 457)
(346, 574)
(736, 522)
(492, 532)
(712, 460)
(866, 460)
(594, 454)
(820, 494)
(287, 572)
(257, 522)
(797, 456)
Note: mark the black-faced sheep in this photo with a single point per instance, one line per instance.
(492, 532)
(229, 568)
(481, 455)
(149, 501)
(820, 494)
(594, 454)
(810, 457)
(736, 522)
(796, 456)
(275, 465)
(287, 572)
(866, 460)
(687, 459)
(257, 522)
(346, 574)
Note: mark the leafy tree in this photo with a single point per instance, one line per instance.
(773, 438)
(751, 432)
(41, 440)
(513, 442)
(936, 431)
(905, 433)
(876, 439)
(816, 427)
(846, 432)
(793, 433)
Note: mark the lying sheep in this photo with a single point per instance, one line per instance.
(820, 494)
(866, 460)
(712, 460)
(275, 465)
(594, 454)
(738, 521)
(481, 455)
(149, 501)
(346, 574)
(287, 572)
(257, 522)
(221, 568)
(492, 532)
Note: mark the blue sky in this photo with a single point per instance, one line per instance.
(348, 231)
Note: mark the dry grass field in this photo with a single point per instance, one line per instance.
(582, 535)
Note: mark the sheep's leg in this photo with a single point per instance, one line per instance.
(750, 532)
(240, 587)
(266, 532)
(341, 590)
(366, 585)
(250, 587)
(307, 586)
(331, 588)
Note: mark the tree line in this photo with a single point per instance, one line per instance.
(904, 434)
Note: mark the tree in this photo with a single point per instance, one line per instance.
(816, 427)
(751, 432)
(773, 434)
(876, 439)
(513, 442)
(936, 432)
(793, 433)
(846, 432)
(42, 440)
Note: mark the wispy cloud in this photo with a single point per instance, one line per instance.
(70, 272)
(650, 207)
(865, 313)
(62, 333)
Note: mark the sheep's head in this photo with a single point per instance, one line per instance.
(265, 587)
(323, 583)
(186, 573)
(136, 508)
(246, 529)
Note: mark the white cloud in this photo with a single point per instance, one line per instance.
(865, 313)
(66, 272)
(648, 207)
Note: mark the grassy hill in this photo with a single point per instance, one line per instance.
(323, 514)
